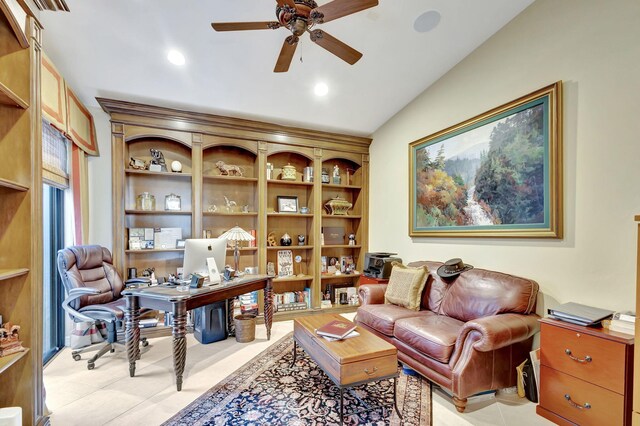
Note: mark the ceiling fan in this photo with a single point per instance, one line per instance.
(299, 16)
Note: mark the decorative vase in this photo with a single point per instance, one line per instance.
(288, 172)
(337, 206)
(285, 240)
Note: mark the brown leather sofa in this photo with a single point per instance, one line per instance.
(469, 334)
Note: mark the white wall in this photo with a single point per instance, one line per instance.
(100, 206)
(593, 47)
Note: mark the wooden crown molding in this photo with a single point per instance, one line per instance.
(53, 5)
(112, 106)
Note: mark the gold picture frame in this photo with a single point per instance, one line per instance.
(498, 174)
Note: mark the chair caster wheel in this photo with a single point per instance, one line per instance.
(76, 357)
(91, 366)
(112, 350)
(145, 343)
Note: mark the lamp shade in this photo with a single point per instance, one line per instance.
(237, 234)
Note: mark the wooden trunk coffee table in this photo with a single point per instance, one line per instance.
(349, 362)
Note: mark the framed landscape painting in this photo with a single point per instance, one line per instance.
(498, 174)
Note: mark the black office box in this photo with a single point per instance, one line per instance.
(210, 322)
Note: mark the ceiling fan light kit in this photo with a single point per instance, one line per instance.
(299, 16)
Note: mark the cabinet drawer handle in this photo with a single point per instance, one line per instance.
(586, 358)
(586, 405)
(371, 373)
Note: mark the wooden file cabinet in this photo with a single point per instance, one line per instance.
(586, 375)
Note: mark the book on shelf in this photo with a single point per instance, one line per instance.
(337, 329)
(348, 336)
(295, 306)
(148, 322)
(579, 314)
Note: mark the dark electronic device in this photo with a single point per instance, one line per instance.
(378, 264)
(196, 281)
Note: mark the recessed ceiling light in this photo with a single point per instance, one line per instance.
(175, 57)
(321, 89)
(427, 21)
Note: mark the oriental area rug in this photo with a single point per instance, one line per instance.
(268, 391)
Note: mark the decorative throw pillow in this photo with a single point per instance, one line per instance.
(406, 285)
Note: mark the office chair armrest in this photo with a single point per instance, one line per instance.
(74, 294)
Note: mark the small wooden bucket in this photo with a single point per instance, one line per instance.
(245, 328)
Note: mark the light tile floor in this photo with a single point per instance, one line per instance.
(108, 396)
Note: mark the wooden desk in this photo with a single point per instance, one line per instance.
(168, 298)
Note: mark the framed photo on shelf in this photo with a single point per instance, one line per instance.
(287, 204)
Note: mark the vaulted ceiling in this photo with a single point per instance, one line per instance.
(118, 49)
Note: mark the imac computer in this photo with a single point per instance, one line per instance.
(196, 253)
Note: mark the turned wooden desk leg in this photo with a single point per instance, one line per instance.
(179, 332)
(268, 307)
(231, 325)
(132, 332)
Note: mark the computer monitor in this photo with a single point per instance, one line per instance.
(196, 253)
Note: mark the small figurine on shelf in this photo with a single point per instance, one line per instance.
(137, 164)
(230, 204)
(336, 175)
(158, 163)
(271, 239)
(271, 269)
(228, 169)
(9, 340)
(212, 208)
(301, 240)
(352, 239)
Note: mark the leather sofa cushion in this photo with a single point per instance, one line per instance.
(481, 293)
(382, 318)
(433, 335)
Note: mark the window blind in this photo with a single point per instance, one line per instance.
(55, 155)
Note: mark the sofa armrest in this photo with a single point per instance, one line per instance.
(371, 294)
(498, 331)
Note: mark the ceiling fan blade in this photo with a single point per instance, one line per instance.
(243, 26)
(339, 8)
(289, 3)
(335, 46)
(286, 54)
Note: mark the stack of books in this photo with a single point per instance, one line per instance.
(623, 322)
(337, 330)
(9, 342)
(249, 303)
(576, 313)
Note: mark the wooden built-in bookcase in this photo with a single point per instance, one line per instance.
(214, 202)
(20, 208)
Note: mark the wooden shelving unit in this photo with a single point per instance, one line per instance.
(9, 184)
(213, 202)
(7, 97)
(7, 361)
(20, 207)
(6, 274)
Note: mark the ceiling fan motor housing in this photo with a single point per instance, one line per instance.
(295, 18)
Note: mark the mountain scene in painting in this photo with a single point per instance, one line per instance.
(490, 175)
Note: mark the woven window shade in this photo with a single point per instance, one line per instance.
(55, 154)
